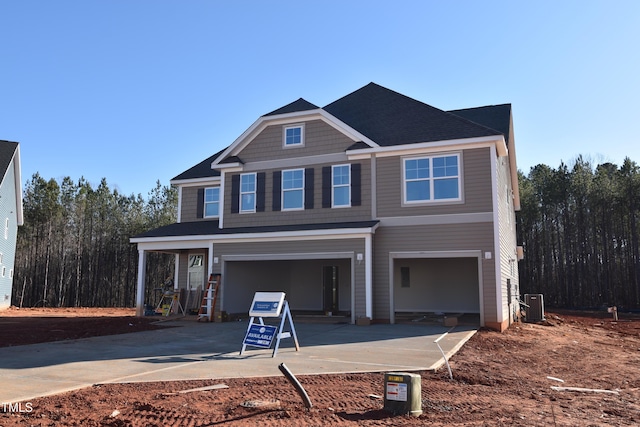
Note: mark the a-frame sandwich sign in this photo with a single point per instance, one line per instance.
(268, 304)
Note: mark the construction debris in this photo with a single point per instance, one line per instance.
(191, 390)
(588, 390)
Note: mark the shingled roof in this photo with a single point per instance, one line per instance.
(201, 170)
(298, 105)
(496, 117)
(390, 118)
(7, 151)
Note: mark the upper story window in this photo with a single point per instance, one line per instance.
(293, 136)
(293, 189)
(341, 186)
(6, 228)
(212, 202)
(433, 178)
(248, 192)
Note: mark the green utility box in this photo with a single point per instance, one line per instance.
(403, 393)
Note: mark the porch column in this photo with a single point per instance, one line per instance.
(368, 275)
(176, 271)
(142, 266)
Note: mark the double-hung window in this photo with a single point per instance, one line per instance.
(341, 186)
(212, 202)
(248, 192)
(433, 178)
(293, 189)
(293, 136)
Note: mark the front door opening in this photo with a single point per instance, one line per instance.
(196, 271)
(330, 288)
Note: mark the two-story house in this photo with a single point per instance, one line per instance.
(11, 215)
(374, 205)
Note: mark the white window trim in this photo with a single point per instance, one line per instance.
(333, 187)
(284, 135)
(282, 191)
(204, 208)
(431, 180)
(6, 228)
(255, 184)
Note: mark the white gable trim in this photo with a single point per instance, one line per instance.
(259, 125)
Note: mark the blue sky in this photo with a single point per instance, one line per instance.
(140, 90)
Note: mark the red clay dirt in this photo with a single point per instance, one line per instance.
(500, 379)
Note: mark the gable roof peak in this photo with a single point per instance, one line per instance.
(300, 104)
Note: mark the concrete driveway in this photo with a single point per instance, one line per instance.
(188, 350)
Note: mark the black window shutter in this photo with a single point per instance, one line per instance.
(277, 187)
(356, 198)
(326, 187)
(260, 187)
(308, 188)
(200, 203)
(235, 193)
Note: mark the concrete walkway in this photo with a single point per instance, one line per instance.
(189, 350)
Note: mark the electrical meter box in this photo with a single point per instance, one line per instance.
(403, 393)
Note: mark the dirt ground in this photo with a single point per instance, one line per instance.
(499, 379)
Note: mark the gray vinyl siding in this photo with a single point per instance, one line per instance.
(7, 241)
(189, 204)
(507, 237)
(320, 138)
(476, 181)
(432, 238)
(302, 249)
(308, 216)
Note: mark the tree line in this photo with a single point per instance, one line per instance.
(579, 227)
(73, 249)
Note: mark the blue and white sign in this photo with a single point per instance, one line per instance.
(266, 304)
(260, 335)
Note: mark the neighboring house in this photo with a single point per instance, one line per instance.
(375, 205)
(10, 215)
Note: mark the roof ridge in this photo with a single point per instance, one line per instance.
(299, 104)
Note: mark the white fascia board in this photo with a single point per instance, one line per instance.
(171, 245)
(228, 167)
(437, 146)
(346, 233)
(195, 182)
(282, 119)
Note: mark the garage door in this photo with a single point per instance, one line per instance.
(449, 285)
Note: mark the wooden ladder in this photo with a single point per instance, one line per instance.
(208, 304)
